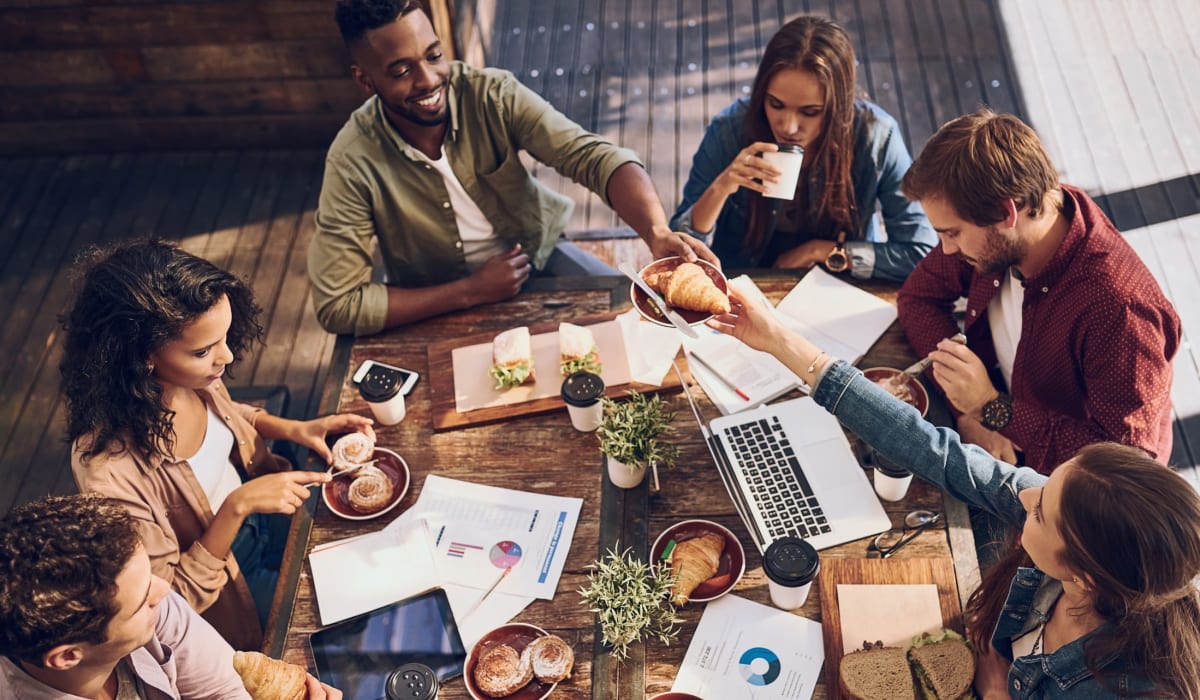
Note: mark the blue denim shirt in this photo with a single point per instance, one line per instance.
(937, 455)
(880, 161)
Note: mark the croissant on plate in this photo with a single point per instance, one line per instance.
(270, 679)
(693, 562)
(690, 287)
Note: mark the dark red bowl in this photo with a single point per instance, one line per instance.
(649, 310)
(730, 569)
(336, 492)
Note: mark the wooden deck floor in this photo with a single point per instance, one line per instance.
(647, 73)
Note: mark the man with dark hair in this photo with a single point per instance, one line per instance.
(82, 616)
(1069, 338)
(429, 167)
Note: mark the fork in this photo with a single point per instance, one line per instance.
(335, 472)
(916, 368)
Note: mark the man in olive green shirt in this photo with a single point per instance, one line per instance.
(429, 168)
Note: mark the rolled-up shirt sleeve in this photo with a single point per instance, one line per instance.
(339, 257)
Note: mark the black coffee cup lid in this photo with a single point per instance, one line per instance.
(791, 561)
(582, 389)
(380, 384)
(888, 469)
(791, 148)
(412, 681)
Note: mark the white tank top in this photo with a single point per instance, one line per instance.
(211, 463)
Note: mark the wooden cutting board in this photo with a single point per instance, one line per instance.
(939, 572)
(441, 383)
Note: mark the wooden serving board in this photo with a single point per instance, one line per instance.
(939, 572)
(441, 382)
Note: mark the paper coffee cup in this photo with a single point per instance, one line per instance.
(787, 159)
(891, 482)
(582, 392)
(790, 564)
(381, 390)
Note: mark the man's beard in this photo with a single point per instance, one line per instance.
(411, 114)
(1001, 254)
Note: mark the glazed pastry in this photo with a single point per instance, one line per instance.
(351, 450)
(370, 490)
(501, 671)
(690, 287)
(553, 658)
(695, 561)
(270, 679)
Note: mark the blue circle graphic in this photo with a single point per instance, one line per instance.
(759, 666)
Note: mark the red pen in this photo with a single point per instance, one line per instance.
(733, 387)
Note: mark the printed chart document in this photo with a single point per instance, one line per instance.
(742, 649)
(838, 317)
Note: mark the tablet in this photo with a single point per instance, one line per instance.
(356, 656)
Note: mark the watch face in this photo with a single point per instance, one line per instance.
(996, 414)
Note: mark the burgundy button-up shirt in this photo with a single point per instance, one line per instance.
(1094, 360)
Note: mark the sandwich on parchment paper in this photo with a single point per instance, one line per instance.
(512, 358)
(577, 350)
(938, 666)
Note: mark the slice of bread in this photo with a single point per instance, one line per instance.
(945, 668)
(876, 672)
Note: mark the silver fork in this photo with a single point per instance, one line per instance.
(916, 368)
(352, 470)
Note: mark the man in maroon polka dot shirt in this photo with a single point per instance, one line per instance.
(1069, 338)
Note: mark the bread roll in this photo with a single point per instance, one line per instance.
(351, 450)
(693, 562)
(553, 658)
(270, 679)
(501, 671)
(370, 490)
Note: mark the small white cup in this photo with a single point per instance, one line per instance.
(891, 487)
(788, 159)
(381, 390)
(581, 392)
(790, 564)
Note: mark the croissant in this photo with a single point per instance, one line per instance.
(690, 287)
(693, 562)
(270, 679)
(501, 671)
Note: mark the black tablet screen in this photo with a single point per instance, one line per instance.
(357, 655)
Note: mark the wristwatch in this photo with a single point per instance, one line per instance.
(838, 260)
(997, 413)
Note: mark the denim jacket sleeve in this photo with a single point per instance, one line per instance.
(937, 455)
(718, 148)
(910, 236)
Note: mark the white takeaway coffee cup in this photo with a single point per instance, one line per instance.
(788, 160)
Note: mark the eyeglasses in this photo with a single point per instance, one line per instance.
(888, 543)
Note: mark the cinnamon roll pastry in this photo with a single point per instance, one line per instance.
(351, 450)
(553, 658)
(501, 671)
(370, 490)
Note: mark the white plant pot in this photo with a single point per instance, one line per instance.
(622, 476)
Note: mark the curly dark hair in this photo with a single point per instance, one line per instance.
(356, 17)
(59, 561)
(132, 298)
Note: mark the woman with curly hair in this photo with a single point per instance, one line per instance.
(854, 159)
(1099, 601)
(150, 334)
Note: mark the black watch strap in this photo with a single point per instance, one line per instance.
(997, 413)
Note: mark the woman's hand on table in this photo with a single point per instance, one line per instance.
(312, 433)
(320, 691)
(805, 255)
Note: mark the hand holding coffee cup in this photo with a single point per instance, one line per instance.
(751, 169)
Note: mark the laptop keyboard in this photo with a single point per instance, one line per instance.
(777, 485)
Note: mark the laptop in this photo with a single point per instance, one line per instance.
(790, 471)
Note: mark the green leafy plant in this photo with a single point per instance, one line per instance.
(630, 431)
(632, 600)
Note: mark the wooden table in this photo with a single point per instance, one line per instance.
(544, 453)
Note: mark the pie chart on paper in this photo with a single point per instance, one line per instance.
(505, 554)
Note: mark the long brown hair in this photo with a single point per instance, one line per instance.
(1131, 527)
(819, 46)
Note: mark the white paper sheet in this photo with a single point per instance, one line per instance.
(890, 613)
(650, 348)
(757, 374)
(474, 388)
(742, 649)
(836, 316)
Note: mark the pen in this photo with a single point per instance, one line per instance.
(720, 376)
(488, 592)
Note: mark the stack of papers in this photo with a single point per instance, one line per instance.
(462, 537)
(838, 317)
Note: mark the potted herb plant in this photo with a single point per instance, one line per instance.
(629, 437)
(632, 601)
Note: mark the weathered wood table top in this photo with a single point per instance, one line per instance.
(543, 453)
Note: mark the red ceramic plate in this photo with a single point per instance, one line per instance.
(336, 492)
(516, 635)
(733, 559)
(917, 396)
(649, 310)
(675, 695)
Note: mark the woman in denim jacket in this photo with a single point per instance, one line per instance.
(854, 158)
(1106, 605)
